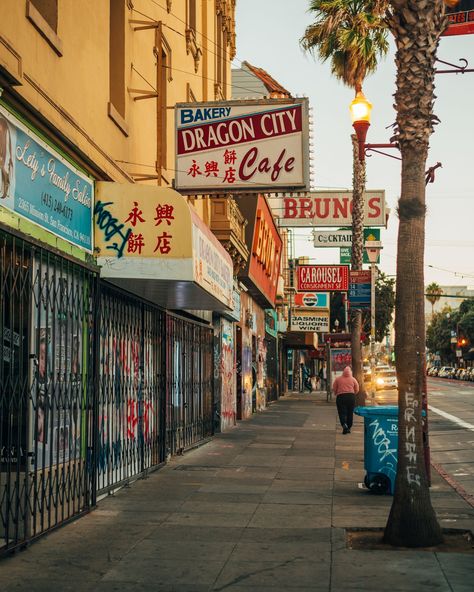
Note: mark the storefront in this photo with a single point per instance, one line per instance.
(157, 257)
(46, 332)
(260, 279)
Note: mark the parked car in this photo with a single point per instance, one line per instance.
(386, 378)
(445, 372)
(469, 374)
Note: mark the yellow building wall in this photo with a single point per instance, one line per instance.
(71, 91)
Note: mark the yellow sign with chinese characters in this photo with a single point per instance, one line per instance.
(141, 221)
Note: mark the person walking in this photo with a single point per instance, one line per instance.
(323, 376)
(345, 388)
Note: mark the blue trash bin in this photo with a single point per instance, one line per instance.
(380, 447)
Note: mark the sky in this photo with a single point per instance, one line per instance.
(268, 33)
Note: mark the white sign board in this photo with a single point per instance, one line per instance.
(327, 208)
(309, 321)
(337, 238)
(242, 145)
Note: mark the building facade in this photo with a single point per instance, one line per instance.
(107, 362)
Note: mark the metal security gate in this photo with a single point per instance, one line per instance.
(189, 396)
(131, 388)
(46, 381)
(155, 386)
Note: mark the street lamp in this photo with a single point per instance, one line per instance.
(360, 109)
(373, 249)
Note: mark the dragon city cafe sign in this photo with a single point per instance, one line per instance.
(327, 208)
(152, 243)
(242, 145)
(331, 278)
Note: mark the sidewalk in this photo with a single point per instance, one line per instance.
(263, 508)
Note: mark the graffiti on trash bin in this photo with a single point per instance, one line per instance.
(383, 443)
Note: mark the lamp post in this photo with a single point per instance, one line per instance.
(360, 109)
(373, 249)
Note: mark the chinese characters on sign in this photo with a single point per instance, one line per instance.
(244, 144)
(117, 236)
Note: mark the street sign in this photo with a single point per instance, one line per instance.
(460, 18)
(342, 238)
(322, 277)
(312, 300)
(359, 289)
(310, 321)
(370, 234)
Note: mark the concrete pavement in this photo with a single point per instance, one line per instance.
(262, 507)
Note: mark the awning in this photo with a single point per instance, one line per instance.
(150, 242)
(300, 340)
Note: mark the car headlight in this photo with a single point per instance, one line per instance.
(380, 381)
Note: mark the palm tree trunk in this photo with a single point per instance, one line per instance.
(412, 520)
(416, 27)
(358, 184)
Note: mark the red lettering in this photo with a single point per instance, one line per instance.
(289, 165)
(374, 209)
(248, 160)
(305, 206)
(264, 166)
(341, 207)
(290, 207)
(319, 202)
(277, 166)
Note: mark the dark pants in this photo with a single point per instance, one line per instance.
(345, 408)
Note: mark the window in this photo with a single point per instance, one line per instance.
(221, 55)
(116, 107)
(163, 77)
(48, 9)
(43, 15)
(191, 15)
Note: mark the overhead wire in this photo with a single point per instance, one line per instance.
(250, 90)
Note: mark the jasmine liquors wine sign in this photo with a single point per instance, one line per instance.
(242, 145)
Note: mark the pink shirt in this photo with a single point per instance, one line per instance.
(345, 383)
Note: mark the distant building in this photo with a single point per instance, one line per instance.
(252, 82)
(452, 296)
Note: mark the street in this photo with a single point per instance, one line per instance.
(451, 428)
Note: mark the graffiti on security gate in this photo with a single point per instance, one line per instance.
(126, 410)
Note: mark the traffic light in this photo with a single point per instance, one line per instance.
(463, 341)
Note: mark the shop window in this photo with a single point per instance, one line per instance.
(43, 15)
